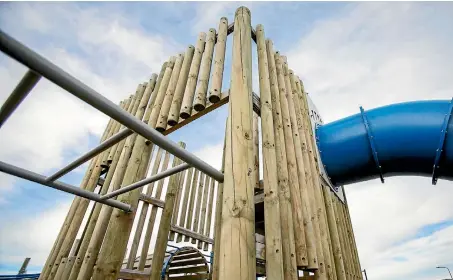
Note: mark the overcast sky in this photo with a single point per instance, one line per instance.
(348, 54)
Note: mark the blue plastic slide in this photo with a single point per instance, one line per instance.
(412, 138)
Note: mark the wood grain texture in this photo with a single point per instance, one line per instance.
(205, 71)
(274, 258)
(219, 61)
(286, 212)
(187, 102)
(237, 248)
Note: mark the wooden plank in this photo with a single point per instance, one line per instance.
(185, 205)
(198, 205)
(175, 216)
(237, 258)
(182, 263)
(209, 215)
(188, 224)
(274, 258)
(204, 205)
(193, 269)
(192, 234)
(151, 200)
(133, 274)
(188, 255)
(203, 276)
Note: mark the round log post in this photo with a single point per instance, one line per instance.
(205, 71)
(274, 259)
(186, 108)
(169, 94)
(173, 116)
(286, 214)
(219, 61)
(298, 216)
(237, 250)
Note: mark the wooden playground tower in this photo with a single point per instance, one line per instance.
(306, 228)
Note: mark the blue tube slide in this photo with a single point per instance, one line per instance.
(412, 138)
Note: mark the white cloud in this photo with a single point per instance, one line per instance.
(31, 237)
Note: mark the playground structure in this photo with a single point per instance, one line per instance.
(294, 223)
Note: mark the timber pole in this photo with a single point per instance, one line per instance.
(237, 249)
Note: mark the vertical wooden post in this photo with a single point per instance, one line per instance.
(274, 259)
(209, 217)
(205, 70)
(333, 229)
(204, 205)
(165, 222)
(175, 216)
(169, 94)
(219, 61)
(297, 205)
(190, 211)
(187, 102)
(201, 186)
(237, 249)
(185, 198)
(173, 116)
(286, 214)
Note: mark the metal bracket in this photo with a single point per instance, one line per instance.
(440, 147)
(370, 139)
